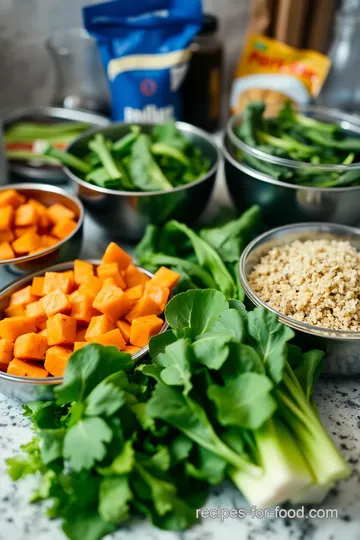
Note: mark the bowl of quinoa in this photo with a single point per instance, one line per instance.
(309, 275)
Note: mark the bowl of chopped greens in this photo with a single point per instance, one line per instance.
(299, 164)
(131, 175)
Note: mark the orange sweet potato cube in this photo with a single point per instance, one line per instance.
(43, 332)
(91, 286)
(61, 330)
(25, 215)
(112, 301)
(30, 347)
(30, 241)
(15, 311)
(21, 368)
(131, 349)
(57, 280)
(55, 302)
(113, 337)
(145, 306)
(159, 295)
(82, 270)
(6, 351)
(99, 325)
(48, 241)
(58, 212)
(70, 275)
(79, 345)
(82, 307)
(111, 270)
(80, 333)
(124, 328)
(20, 231)
(35, 310)
(134, 276)
(114, 254)
(37, 287)
(135, 293)
(56, 360)
(22, 297)
(163, 278)
(13, 327)
(143, 328)
(108, 281)
(6, 251)
(6, 236)
(63, 228)
(44, 220)
(11, 197)
(6, 217)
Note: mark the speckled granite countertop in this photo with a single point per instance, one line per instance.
(339, 405)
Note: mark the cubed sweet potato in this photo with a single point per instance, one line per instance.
(80, 333)
(164, 277)
(113, 337)
(135, 293)
(6, 251)
(131, 349)
(6, 236)
(56, 360)
(133, 276)
(124, 328)
(111, 270)
(26, 243)
(37, 287)
(114, 254)
(15, 311)
(71, 276)
(112, 301)
(82, 271)
(6, 217)
(58, 212)
(79, 345)
(44, 220)
(91, 286)
(143, 328)
(22, 297)
(61, 330)
(13, 327)
(35, 310)
(48, 240)
(57, 280)
(6, 351)
(25, 215)
(63, 228)
(43, 332)
(159, 295)
(55, 302)
(82, 307)
(145, 306)
(20, 231)
(20, 368)
(99, 325)
(30, 347)
(11, 197)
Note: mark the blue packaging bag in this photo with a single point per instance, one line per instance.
(144, 46)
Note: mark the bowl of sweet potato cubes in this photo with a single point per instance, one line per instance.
(48, 316)
(40, 225)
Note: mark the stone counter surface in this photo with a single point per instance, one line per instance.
(339, 404)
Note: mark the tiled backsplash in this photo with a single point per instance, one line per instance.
(26, 71)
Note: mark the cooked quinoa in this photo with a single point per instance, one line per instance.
(315, 281)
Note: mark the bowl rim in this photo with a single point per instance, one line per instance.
(50, 381)
(344, 335)
(258, 175)
(263, 156)
(51, 189)
(180, 125)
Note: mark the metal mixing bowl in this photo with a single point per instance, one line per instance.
(126, 213)
(342, 348)
(284, 202)
(63, 251)
(28, 389)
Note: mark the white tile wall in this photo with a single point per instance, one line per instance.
(26, 74)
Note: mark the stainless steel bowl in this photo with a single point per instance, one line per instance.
(342, 347)
(284, 202)
(22, 170)
(63, 251)
(31, 389)
(126, 214)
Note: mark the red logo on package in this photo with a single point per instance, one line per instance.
(148, 87)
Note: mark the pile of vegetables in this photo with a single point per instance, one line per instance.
(225, 395)
(294, 136)
(25, 141)
(159, 161)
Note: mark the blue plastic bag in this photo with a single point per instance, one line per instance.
(144, 46)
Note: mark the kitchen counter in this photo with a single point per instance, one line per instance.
(339, 405)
